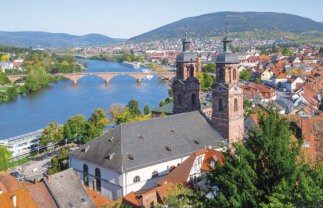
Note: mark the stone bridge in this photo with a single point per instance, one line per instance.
(104, 75)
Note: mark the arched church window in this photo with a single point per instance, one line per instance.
(234, 74)
(193, 99)
(221, 74)
(98, 179)
(235, 105)
(191, 71)
(86, 174)
(220, 105)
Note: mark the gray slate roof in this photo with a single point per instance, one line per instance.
(140, 144)
(66, 189)
(186, 57)
(227, 58)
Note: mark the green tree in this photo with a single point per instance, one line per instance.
(287, 52)
(59, 162)
(245, 74)
(74, 127)
(165, 61)
(53, 133)
(98, 119)
(133, 108)
(94, 126)
(146, 109)
(36, 78)
(276, 49)
(4, 158)
(263, 170)
(210, 67)
(4, 79)
(257, 81)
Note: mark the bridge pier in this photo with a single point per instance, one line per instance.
(107, 81)
(138, 81)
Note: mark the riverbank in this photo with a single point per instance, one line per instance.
(63, 99)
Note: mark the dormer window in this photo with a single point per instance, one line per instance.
(109, 156)
(136, 179)
(168, 148)
(131, 157)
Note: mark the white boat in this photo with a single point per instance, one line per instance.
(134, 65)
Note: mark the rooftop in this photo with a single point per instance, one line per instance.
(140, 144)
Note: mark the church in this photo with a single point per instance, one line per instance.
(135, 155)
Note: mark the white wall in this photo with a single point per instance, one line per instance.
(145, 175)
(111, 181)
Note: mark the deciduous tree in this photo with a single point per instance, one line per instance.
(146, 109)
(4, 158)
(53, 133)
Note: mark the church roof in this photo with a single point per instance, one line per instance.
(227, 58)
(140, 144)
(186, 57)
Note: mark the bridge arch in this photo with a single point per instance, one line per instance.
(13, 79)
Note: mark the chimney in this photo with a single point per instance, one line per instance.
(48, 178)
(14, 200)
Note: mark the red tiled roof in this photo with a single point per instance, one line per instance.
(23, 199)
(281, 76)
(98, 199)
(130, 199)
(180, 174)
(5, 201)
(212, 155)
(9, 182)
(41, 196)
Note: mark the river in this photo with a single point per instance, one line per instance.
(62, 100)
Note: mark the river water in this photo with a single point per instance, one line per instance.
(62, 100)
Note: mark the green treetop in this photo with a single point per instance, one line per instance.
(264, 170)
(245, 75)
(4, 158)
(133, 108)
(146, 110)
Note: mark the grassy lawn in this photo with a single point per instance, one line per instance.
(19, 162)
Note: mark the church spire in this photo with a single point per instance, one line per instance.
(186, 43)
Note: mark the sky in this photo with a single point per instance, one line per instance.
(128, 18)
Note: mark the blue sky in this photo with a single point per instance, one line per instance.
(127, 18)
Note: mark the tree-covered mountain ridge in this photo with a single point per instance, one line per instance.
(36, 39)
(240, 24)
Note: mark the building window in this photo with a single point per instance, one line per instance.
(234, 74)
(191, 71)
(193, 99)
(136, 179)
(220, 105)
(98, 179)
(86, 174)
(235, 105)
(155, 174)
(221, 74)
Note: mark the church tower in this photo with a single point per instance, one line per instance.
(227, 93)
(186, 87)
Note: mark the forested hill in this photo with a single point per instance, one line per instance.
(53, 40)
(254, 24)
